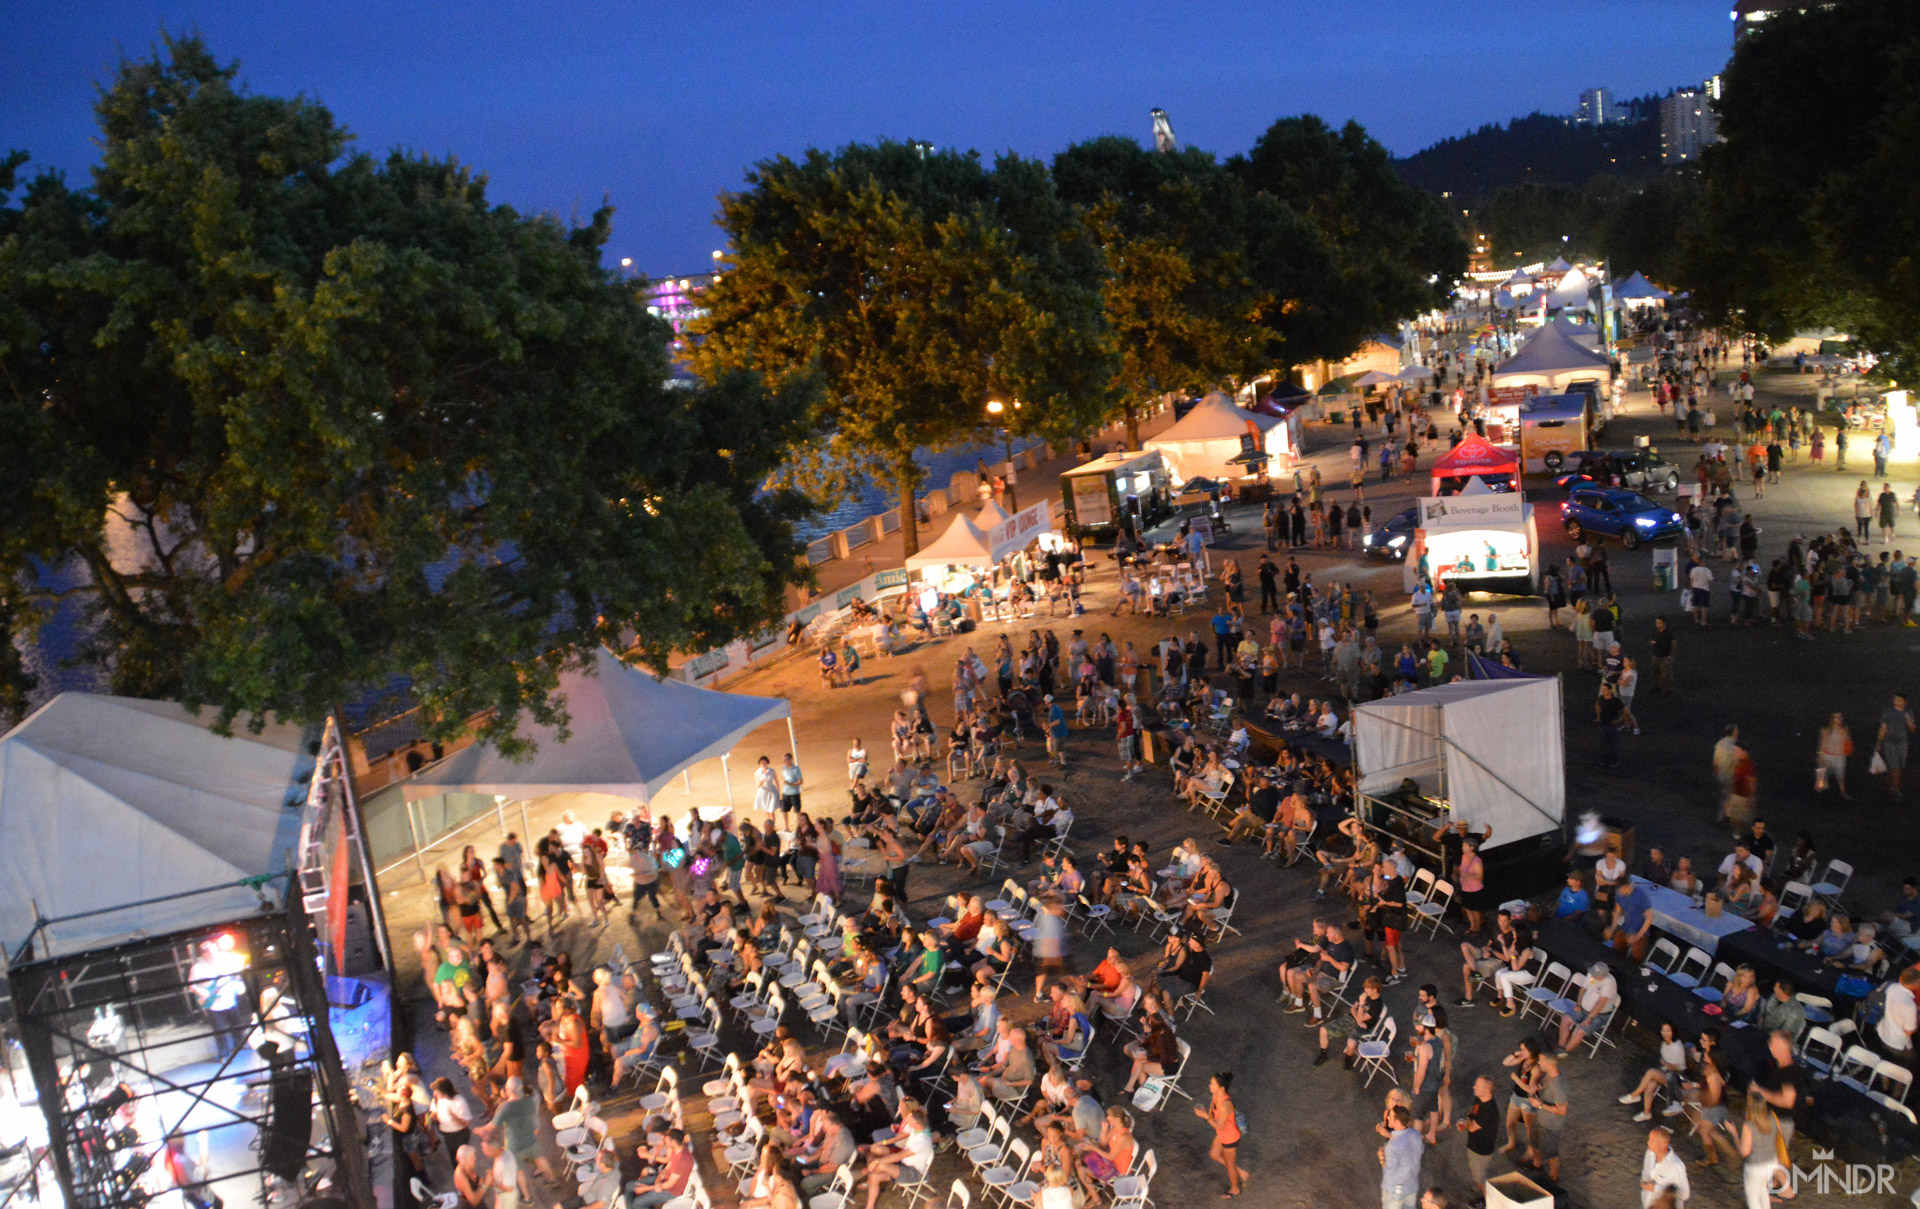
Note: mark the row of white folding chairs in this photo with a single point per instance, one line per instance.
(1429, 897)
(1005, 1164)
(1557, 992)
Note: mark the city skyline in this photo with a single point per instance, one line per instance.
(661, 109)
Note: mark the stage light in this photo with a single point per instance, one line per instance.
(225, 941)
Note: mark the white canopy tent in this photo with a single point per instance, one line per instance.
(1493, 748)
(990, 514)
(1550, 358)
(1571, 293)
(963, 544)
(110, 802)
(631, 735)
(1205, 440)
(1374, 377)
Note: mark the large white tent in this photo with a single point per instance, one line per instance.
(110, 801)
(1205, 440)
(1491, 747)
(631, 734)
(1571, 293)
(963, 544)
(1550, 358)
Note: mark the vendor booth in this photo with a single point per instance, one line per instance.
(1549, 360)
(1636, 292)
(182, 927)
(1476, 464)
(1479, 541)
(1115, 492)
(1487, 753)
(962, 561)
(1210, 441)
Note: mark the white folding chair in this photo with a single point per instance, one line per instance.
(1546, 990)
(1693, 967)
(835, 1197)
(1820, 1049)
(1433, 911)
(429, 1199)
(1664, 956)
(1829, 887)
(1819, 1008)
(1794, 896)
(1855, 1068)
(1008, 1171)
(1715, 986)
(1131, 1191)
(1376, 1053)
(664, 1099)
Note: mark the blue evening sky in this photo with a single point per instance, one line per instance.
(662, 105)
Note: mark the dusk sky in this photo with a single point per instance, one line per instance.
(662, 106)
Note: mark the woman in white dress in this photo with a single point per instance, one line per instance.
(856, 762)
(766, 787)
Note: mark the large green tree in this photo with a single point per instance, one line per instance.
(916, 285)
(1397, 250)
(1809, 215)
(303, 422)
(1177, 295)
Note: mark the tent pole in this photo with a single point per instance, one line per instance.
(500, 810)
(793, 742)
(419, 859)
(686, 779)
(727, 774)
(526, 834)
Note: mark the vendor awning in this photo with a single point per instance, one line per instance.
(1475, 455)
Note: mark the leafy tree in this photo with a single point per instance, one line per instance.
(917, 285)
(1808, 214)
(347, 421)
(1177, 294)
(1396, 247)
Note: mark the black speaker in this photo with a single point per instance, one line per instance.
(290, 1125)
(361, 958)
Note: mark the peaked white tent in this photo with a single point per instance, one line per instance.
(1571, 293)
(1492, 748)
(110, 801)
(1374, 377)
(990, 515)
(963, 544)
(1559, 265)
(1549, 359)
(1638, 289)
(1203, 442)
(631, 735)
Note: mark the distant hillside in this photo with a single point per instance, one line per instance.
(1539, 149)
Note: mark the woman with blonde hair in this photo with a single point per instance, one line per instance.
(1762, 1151)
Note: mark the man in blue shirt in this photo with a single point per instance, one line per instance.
(1056, 732)
(1573, 902)
(1223, 636)
(1400, 1162)
(1631, 918)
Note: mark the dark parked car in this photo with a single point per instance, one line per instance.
(1395, 537)
(1616, 512)
(1640, 469)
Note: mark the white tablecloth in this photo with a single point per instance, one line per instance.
(1675, 914)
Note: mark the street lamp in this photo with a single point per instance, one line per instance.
(996, 409)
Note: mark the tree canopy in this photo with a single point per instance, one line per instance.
(1396, 248)
(307, 422)
(916, 285)
(1809, 217)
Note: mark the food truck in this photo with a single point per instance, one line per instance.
(1116, 491)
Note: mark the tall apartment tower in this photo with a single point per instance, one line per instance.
(1688, 125)
(1596, 108)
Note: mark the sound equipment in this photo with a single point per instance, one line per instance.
(360, 959)
(290, 1123)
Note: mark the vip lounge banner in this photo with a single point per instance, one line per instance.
(1019, 529)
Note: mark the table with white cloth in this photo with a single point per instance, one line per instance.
(1675, 914)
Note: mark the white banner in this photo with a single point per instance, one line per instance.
(1019, 529)
(1493, 510)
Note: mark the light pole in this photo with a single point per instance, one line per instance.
(997, 409)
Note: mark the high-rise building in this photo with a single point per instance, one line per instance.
(1597, 108)
(1688, 125)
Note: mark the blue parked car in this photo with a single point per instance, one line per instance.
(1616, 512)
(1394, 538)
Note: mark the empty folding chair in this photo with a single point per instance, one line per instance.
(1835, 880)
(1131, 1191)
(1819, 1008)
(1693, 967)
(835, 1197)
(1794, 896)
(1855, 1068)
(1376, 1053)
(1433, 912)
(1008, 1171)
(1664, 956)
(1820, 1049)
(1551, 987)
(1094, 918)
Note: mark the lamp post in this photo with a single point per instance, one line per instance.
(996, 409)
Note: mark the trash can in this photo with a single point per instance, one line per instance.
(1666, 569)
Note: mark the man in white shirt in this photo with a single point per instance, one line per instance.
(1700, 583)
(1598, 1000)
(573, 833)
(1894, 1033)
(504, 1173)
(1661, 1168)
(1741, 855)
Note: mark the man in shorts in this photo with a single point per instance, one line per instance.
(1127, 729)
(1896, 724)
(1324, 976)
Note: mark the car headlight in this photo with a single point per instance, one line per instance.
(1397, 541)
(1644, 520)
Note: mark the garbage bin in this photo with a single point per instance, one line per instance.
(1666, 569)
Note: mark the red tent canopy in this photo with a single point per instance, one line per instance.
(1476, 455)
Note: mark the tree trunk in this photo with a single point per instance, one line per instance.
(908, 479)
(1133, 426)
